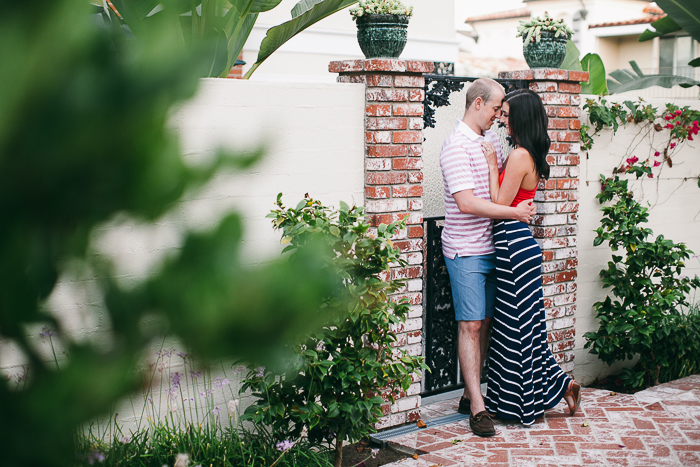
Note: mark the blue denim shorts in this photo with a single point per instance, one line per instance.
(473, 281)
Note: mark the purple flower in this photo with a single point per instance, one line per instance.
(175, 379)
(183, 355)
(219, 383)
(125, 439)
(284, 445)
(47, 332)
(195, 374)
(215, 411)
(95, 456)
(238, 369)
(260, 371)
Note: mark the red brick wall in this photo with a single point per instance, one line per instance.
(556, 225)
(393, 186)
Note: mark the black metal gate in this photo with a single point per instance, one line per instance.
(440, 330)
(439, 326)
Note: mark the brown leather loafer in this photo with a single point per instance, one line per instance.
(482, 424)
(465, 406)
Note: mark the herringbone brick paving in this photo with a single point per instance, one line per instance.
(656, 427)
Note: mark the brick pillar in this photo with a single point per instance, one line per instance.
(556, 224)
(393, 186)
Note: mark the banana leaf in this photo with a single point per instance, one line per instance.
(133, 12)
(571, 61)
(684, 14)
(665, 25)
(278, 35)
(632, 80)
(596, 84)
(303, 6)
(254, 6)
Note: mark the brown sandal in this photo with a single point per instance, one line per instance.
(575, 392)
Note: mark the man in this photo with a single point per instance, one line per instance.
(467, 239)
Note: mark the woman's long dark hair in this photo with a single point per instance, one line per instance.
(527, 120)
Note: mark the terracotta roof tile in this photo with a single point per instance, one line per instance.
(652, 9)
(648, 20)
(521, 13)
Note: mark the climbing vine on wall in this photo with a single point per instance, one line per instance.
(679, 123)
(648, 312)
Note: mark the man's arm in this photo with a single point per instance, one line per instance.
(470, 204)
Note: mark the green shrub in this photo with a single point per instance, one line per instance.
(332, 388)
(644, 315)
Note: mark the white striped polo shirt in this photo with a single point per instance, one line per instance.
(464, 167)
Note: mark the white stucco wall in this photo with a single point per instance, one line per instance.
(314, 143)
(674, 213)
(431, 36)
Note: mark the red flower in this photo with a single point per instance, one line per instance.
(672, 145)
(657, 154)
(657, 163)
(678, 122)
(668, 117)
(678, 112)
(669, 126)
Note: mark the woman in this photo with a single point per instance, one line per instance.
(524, 378)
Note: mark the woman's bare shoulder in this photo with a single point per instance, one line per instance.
(520, 156)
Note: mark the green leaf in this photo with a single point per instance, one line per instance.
(596, 84)
(686, 13)
(571, 61)
(254, 6)
(628, 80)
(665, 25)
(278, 35)
(303, 6)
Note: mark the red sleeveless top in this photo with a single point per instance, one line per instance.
(521, 195)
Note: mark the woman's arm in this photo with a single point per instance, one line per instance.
(519, 165)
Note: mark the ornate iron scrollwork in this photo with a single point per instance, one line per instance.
(437, 96)
(441, 330)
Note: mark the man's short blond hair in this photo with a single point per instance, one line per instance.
(482, 87)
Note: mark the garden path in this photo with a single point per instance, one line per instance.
(656, 427)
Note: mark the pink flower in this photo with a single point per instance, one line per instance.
(678, 112)
(632, 160)
(657, 163)
(695, 123)
(657, 154)
(668, 117)
(690, 137)
(678, 123)
(672, 145)
(669, 125)
(651, 175)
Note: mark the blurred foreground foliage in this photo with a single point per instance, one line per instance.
(84, 139)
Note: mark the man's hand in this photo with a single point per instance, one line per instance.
(525, 211)
(490, 154)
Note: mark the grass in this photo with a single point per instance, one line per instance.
(190, 416)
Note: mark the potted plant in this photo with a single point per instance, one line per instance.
(381, 27)
(544, 41)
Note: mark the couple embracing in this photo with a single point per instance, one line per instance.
(494, 263)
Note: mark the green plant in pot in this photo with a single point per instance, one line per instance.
(381, 27)
(544, 41)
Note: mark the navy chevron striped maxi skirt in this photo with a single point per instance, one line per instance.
(524, 380)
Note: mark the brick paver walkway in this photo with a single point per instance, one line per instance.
(656, 427)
